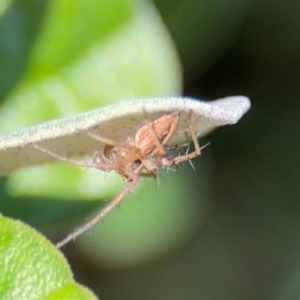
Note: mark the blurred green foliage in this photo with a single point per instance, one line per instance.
(247, 247)
(4, 5)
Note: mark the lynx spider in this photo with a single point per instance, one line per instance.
(140, 155)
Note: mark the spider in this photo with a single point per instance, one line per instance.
(140, 155)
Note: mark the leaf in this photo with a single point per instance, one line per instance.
(31, 268)
(66, 137)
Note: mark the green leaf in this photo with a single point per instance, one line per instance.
(32, 268)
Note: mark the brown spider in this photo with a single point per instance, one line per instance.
(140, 155)
(132, 157)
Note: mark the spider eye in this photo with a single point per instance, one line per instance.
(107, 151)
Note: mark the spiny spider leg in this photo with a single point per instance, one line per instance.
(197, 152)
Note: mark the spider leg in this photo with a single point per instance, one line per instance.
(63, 159)
(102, 214)
(197, 152)
(126, 147)
(102, 166)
